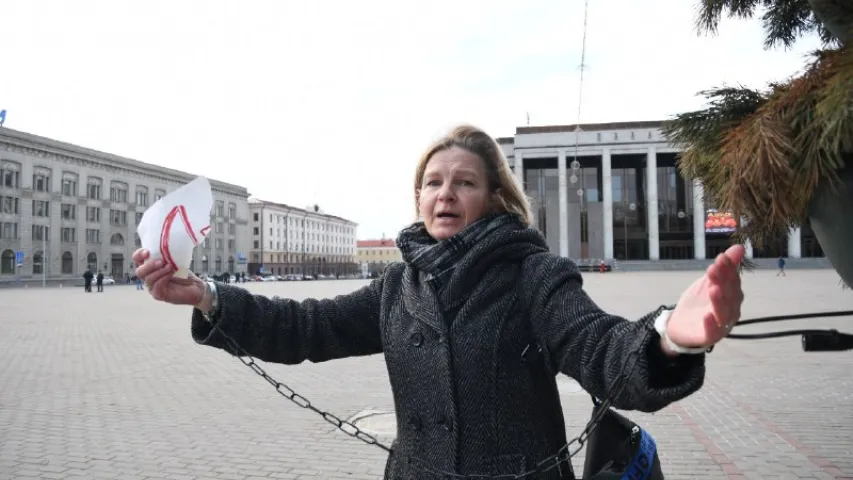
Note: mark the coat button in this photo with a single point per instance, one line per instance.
(417, 339)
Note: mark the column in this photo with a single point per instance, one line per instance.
(607, 207)
(794, 244)
(652, 203)
(564, 203)
(698, 220)
(519, 168)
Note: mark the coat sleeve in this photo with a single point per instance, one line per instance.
(287, 331)
(591, 346)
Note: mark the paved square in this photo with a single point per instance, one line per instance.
(112, 386)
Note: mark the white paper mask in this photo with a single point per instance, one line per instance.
(172, 227)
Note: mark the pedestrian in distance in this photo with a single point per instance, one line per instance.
(477, 287)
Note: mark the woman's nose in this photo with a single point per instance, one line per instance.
(446, 193)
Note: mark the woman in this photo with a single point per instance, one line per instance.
(456, 321)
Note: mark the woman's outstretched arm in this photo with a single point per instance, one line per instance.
(288, 331)
(591, 346)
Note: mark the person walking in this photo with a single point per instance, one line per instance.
(474, 323)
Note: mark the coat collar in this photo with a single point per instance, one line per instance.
(472, 276)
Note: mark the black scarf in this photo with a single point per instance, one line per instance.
(437, 259)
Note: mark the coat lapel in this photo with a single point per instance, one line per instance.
(420, 300)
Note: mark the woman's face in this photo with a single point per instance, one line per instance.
(454, 192)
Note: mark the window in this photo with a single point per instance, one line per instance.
(232, 211)
(9, 230)
(232, 229)
(257, 244)
(41, 181)
(93, 236)
(69, 211)
(7, 262)
(10, 174)
(9, 205)
(138, 241)
(219, 228)
(138, 217)
(40, 233)
(256, 230)
(118, 218)
(69, 235)
(159, 193)
(93, 214)
(69, 184)
(220, 210)
(218, 264)
(93, 188)
(38, 263)
(67, 263)
(232, 244)
(255, 216)
(41, 208)
(116, 239)
(118, 192)
(142, 196)
(218, 243)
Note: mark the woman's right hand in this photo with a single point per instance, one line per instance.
(159, 279)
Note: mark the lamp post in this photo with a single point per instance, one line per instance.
(43, 255)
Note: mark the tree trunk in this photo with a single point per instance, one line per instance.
(831, 216)
(836, 16)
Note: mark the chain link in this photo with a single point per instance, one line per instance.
(563, 455)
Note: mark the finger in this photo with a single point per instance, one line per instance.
(735, 253)
(714, 271)
(159, 274)
(728, 268)
(148, 268)
(140, 255)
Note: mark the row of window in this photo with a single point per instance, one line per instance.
(10, 231)
(256, 244)
(290, 221)
(298, 258)
(8, 265)
(314, 236)
(10, 177)
(119, 191)
(389, 251)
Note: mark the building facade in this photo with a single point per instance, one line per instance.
(373, 256)
(613, 191)
(287, 240)
(65, 209)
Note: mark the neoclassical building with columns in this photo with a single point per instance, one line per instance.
(612, 191)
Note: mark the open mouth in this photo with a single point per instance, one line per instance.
(447, 215)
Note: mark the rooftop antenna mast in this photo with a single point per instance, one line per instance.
(575, 163)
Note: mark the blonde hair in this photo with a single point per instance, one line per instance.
(502, 183)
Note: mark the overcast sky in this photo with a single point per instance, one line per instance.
(332, 101)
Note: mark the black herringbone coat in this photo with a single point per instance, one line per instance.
(467, 400)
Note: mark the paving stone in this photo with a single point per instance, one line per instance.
(112, 386)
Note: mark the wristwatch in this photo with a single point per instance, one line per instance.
(660, 327)
(210, 289)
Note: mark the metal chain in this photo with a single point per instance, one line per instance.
(563, 455)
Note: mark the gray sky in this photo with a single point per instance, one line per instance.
(333, 101)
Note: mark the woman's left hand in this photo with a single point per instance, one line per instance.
(708, 309)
